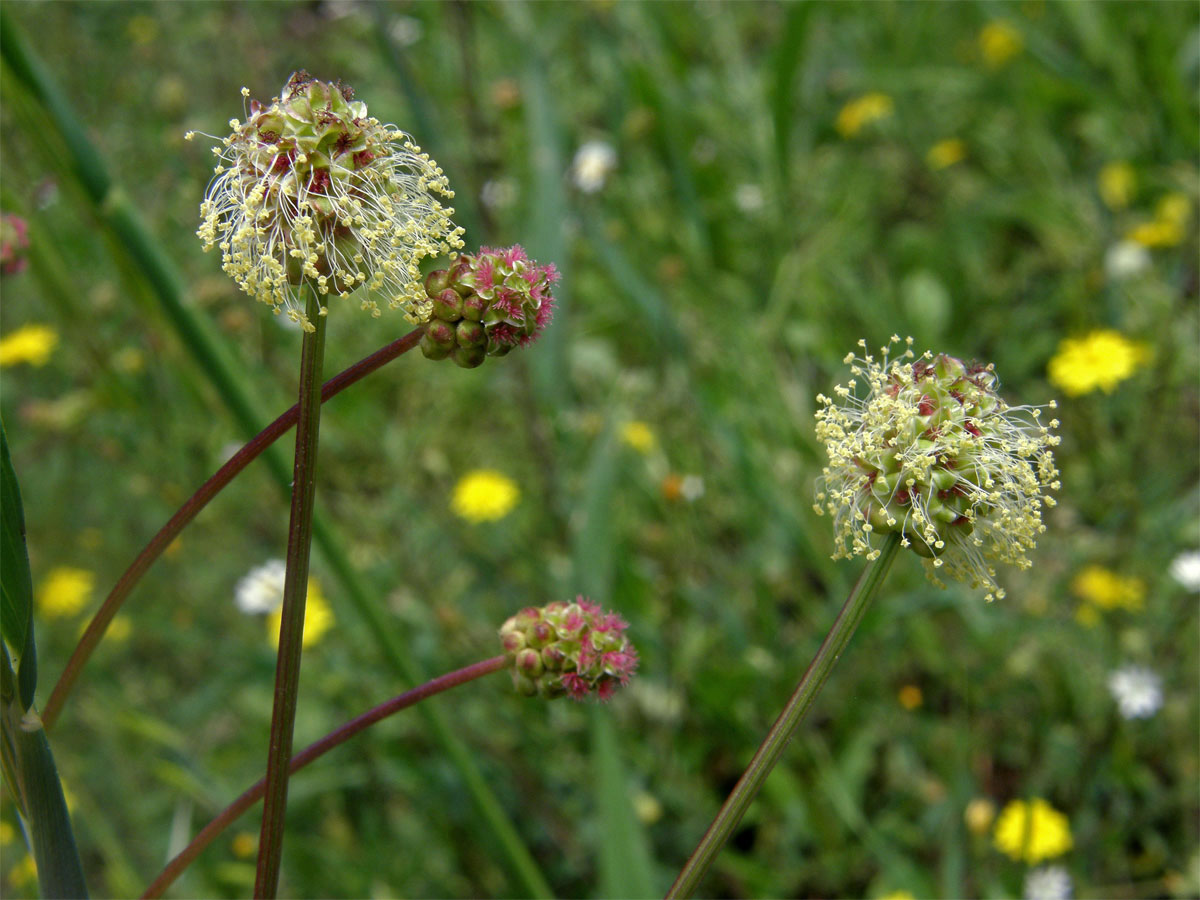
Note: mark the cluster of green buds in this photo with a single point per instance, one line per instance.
(934, 454)
(568, 648)
(485, 304)
(310, 189)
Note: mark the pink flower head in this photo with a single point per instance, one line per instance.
(573, 648)
(515, 288)
(14, 241)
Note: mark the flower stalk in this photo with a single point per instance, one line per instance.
(785, 726)
(314, 751)
(295, 590)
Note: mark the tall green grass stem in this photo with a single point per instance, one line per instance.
(781, 732)
(295, 594)
(206, 492)
(314, 751)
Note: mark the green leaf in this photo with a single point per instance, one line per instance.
(59, 871)
(625, 861)
(16, 584)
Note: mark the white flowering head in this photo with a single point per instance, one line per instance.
(930, 451)
(1137, 691)
(311, 189)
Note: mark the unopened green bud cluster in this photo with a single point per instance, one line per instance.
(932, 452)
(565, 648)
(485, 304)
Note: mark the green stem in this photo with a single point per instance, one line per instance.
(295, 593)
(314, 751)
(206, 492)
(785, 726)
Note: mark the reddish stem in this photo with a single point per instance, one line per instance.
(153, 550)
(253, 794)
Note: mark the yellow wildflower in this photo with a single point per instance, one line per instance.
(1032, 831)
(639, 436)
(318, 617)
(910, 696)
(1116, 184)
(979, 815)
(647, 808)
(999, 42)
(29, 344)
(1159, 233)
(1175, 208)
(1108, 590)
(245, 844)
(484, 495)
(862, 111)
(946, 153)
(65, 591)
(898, 895)
(1099, 360)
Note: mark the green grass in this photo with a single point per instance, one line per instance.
(717, 323)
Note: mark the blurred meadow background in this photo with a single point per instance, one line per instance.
(735, 194)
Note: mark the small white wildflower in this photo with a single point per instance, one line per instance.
(260, 591)
(1137, 690)
(691, 488)
(498, 193)
(593, 163)
(1126, 259)
(1048, 883)
(406, 30)
(1185, 568)
(748, 198)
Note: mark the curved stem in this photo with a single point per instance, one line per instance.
(295, 597)
(781, 732)
(253, 794)
(153, 550)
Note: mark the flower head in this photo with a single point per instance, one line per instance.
(1032, 831)
(14, 241)
(594, 161)
(1099, 360)
(1137, 690)
(1116, 183)
(933, 453)
(999, 42)
(1108, 590)
(946, 153)
(1185, 569)
(486, 304)
(484, 495)
(311, 189)
(31, 344)
(568, 648)
(1048, 883)
(260, 592)
(639, 435)
(862, 111)
(65, 591)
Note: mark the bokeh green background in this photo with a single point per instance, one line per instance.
(739, 247)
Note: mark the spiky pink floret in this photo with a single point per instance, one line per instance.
(576, 685)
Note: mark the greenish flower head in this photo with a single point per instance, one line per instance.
(564, 648)
(311, 189)
(933, 453)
